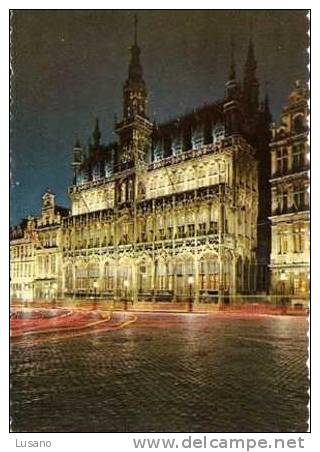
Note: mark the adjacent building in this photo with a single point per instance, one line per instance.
(36, 253)
(22, 269)
(290, 199)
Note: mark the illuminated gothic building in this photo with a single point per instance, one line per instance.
(169, 210)
(290, 198)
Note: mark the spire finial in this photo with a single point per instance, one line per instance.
(266, 103)
(96, 134)
(251, 64)
(135, 69)
(136, 29)
(250, 28)
(232, 74)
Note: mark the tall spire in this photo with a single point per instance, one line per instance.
(267, 112)
(232, 90)
(232, 73)
(134, 92)
(135, 68)
(250, 82)
(135, 29)
(96, 134)
(251, 64)
(231, 105)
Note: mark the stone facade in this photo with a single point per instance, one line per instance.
(169, 210)
(22, 268)
(290, 199)
(193, 222)
(36, 253)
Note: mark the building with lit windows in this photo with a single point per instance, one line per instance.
(22, 260)
(36, 253)
(169, 209)
(290, 199)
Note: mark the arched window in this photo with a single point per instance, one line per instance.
(201, 176)
(177, 145)
(299, 124)
(209, 273)
(93, 274)
(197, 138)
(180, 181)
(141, 191)
(213, 174)
(68, 277)
(161, 275)
(190, 179)
(218, 133)
(108, 276)
(123, 192)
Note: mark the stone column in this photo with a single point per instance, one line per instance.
(73, 289)
(153, 287)
(233, 277)
(134, 280)
(174, 282)
(63, 279)
(116, 280)
(100, 279)
(273, 162)
(196, 280)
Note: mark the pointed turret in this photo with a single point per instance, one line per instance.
(134, 130)
(231, 106)
(250, 82)
(232, 91)
(232, 73)
(266, 109)
(77, 159)
(96, 135)
(134, 91)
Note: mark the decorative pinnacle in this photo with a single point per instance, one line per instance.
(97, 134)
(135, 29)
(232, 74)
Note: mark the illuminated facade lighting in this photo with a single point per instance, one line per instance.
(290, 216)
(166, 207)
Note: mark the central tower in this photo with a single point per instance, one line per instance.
(134, 90)
(135, 129)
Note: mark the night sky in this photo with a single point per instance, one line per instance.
(69, 66)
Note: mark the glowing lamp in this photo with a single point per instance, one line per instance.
(283, 275)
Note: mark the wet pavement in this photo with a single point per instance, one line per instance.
(164, 373)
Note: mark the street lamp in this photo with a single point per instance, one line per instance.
(190, 282)
(95, 286)
(24, 298)
(126, 285)
(54, 293)
(143, 283)
(283, 275)
(283, 278)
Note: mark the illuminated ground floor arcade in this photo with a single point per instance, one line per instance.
(291, 281)
(205, 277)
